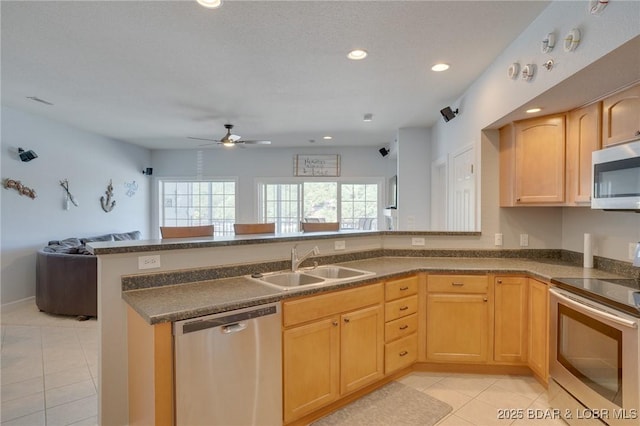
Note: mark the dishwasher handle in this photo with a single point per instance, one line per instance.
(233, 328)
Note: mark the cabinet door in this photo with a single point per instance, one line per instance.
(540, 160)
(361, 348)
(621, 117)
(457, 327)
(538, 328)
(584, 135)
(510, 319)
(311, 354)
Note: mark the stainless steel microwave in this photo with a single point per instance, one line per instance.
(616, 178)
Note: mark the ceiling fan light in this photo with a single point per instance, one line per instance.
(210, 4)
(228, 144)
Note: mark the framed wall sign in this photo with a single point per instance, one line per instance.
(316, 165)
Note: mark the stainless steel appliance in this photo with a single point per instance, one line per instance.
(594, 347)
(228, 368)
(616, 178)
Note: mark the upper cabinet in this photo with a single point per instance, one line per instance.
(532, 162)
(621, 117)
(584, 130)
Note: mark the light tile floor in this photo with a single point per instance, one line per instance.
(49, 376)
(49, 368)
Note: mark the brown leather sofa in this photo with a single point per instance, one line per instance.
(67, 275)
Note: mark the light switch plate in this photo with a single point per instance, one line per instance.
(498, 239)
(149, 262)
(636, 260)
(339, 245)
(524, 240)
(417, 241)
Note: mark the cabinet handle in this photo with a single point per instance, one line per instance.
(499, 281)
(334, 323)
(347, 320)
(404, 308)
(517, 200)
(404, 288)
(484, 299)
(404, 327)
(457, 284)
(403, 353)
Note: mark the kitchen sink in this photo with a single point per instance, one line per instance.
(317, 276)
(337, 272)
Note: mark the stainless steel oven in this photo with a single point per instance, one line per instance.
(593, 361)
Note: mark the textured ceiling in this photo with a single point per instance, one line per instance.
(153, 73)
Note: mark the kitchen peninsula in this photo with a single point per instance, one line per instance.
(203, 276)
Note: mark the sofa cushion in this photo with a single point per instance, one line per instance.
(106, 237)
(125, 236)
(58, 248)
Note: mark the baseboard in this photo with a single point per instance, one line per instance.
(18, 304)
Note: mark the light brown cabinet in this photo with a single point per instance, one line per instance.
(510, 319)
(401, 323)
(538, 329)
(532, 157)
(621, 117)
(584, 135)
(332, 345)
(457, 318)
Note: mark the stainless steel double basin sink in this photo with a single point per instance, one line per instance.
(318, 276)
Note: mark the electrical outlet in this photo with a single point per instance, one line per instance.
(149, 262)
(417, 241)
(339, 245)
(632, 251)
(524, 240)
(498, 239)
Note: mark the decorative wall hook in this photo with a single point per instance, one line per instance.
(18, 186)
(107, 204)
(68, 196)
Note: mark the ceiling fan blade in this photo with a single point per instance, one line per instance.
(234, 138)
(249, 142)
(203, 139)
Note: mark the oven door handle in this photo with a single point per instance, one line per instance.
(602, 314)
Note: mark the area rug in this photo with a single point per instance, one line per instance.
(393, 404)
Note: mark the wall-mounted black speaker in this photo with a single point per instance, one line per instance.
(383, 151)
(448, 113)
(148, 171)
(26, 155)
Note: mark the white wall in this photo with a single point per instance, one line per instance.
(414, 179)
(493, 96)
(88, 161)
(249, 163)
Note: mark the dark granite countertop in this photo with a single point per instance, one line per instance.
(189, 300)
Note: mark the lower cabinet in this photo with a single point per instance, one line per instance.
(510, 319)
(457, 318)
(332, 345)
(539, 329)
(401, 323)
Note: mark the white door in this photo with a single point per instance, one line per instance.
(463, 190)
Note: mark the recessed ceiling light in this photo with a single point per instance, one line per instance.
(357, 54)
(368, 117)
(327, 138)
(210, 4)
(440, 67)
(533, 110)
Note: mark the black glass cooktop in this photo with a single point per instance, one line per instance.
(620, 293)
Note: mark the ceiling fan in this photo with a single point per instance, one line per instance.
(232, 140)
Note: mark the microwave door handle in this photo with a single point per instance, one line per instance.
(602, 314)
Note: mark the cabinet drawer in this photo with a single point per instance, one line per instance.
(401, 288)
(457, 284)
(400, 308)
(400, 327)
(323, 305)
(401, 353)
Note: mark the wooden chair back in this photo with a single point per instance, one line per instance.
(254, 228)
(320, 226)
(186, 231)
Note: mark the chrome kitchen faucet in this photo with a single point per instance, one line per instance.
(295, 261)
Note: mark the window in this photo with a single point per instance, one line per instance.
(354, 204)
(194, 203)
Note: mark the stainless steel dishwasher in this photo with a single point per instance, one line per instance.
(228, 368)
